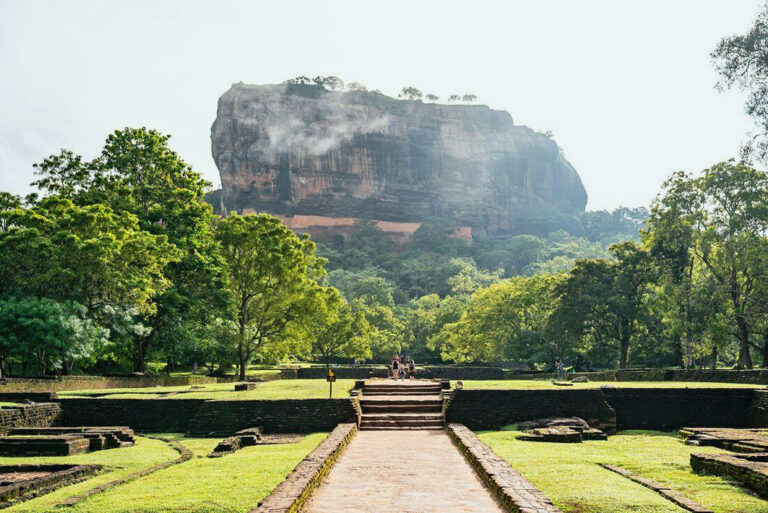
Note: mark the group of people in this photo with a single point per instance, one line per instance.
(402, 366)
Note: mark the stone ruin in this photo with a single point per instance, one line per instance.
(732, 439)
(749, 463)
(16, 481)
(64, 441)
(561, 430)
(243, 438)
(247, 438)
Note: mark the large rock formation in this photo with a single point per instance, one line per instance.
(322, 158)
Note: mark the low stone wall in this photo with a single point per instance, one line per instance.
(758, 412)
(29, 415)
(341, 372)
(757, 376)
(54, 384)
(215, 418)
(492, 409)
(146, 415)
(290, 495)
(425, 372)
(37, 397)
(210, 417)
(610, 409)
(515, 492)
(672, 408)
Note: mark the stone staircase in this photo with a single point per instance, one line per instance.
(401, 405)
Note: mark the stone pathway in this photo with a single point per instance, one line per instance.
(402, 472)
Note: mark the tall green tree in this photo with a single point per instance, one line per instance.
(726, 210)
(505, 320)
(742, 61)
(89, 255)
(601, 301)
(273, 277)
(338, 329)
(138, 172)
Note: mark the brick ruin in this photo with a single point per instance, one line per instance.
(16, 481)
(63, 441)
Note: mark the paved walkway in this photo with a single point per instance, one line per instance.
(402, 472)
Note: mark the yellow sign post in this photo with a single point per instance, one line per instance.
(330, 379)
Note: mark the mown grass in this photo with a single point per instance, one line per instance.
(230, 484)
(571, 477)
(535, 384)
(278, 389)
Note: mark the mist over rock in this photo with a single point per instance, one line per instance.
(329, 158)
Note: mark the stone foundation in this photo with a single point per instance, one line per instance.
(20, 480)
(751, 470)
(29, 415)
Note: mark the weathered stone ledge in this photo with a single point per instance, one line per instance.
(515, 492)
(290, 495)
(666, 492)
(751, 470)
(58, 476)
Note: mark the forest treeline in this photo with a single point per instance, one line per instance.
(119, 261)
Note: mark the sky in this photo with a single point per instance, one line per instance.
(627, 88)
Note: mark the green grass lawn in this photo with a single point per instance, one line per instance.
(278, 389)
(535, 384)
(234, 483)
(570, 476)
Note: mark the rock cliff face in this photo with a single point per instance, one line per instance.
(300, 151)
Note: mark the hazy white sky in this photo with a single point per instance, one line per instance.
(627, 88)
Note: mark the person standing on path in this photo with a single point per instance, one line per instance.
(395, 367)
(411, 369)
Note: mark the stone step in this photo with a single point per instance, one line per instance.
(402, 387)
(398, 393)
(402, 408)
(387, 399)
(401, 423)
(405, 390)
(417, 428)
(403, 416)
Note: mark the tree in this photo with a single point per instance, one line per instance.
(300, 80)
(432, 98)
(365, 285)
(138, 172)
(356, 86)
(273, 277)
(601, 301)
(742, 61)
(726, 211)
(454, 98)
(385, 332)
(89, 255)
(51, 333)
(424, 322)
(468, 98)
(505, 320)
(341, 330)
(410, 93)
(8, 203)
(331, 82)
